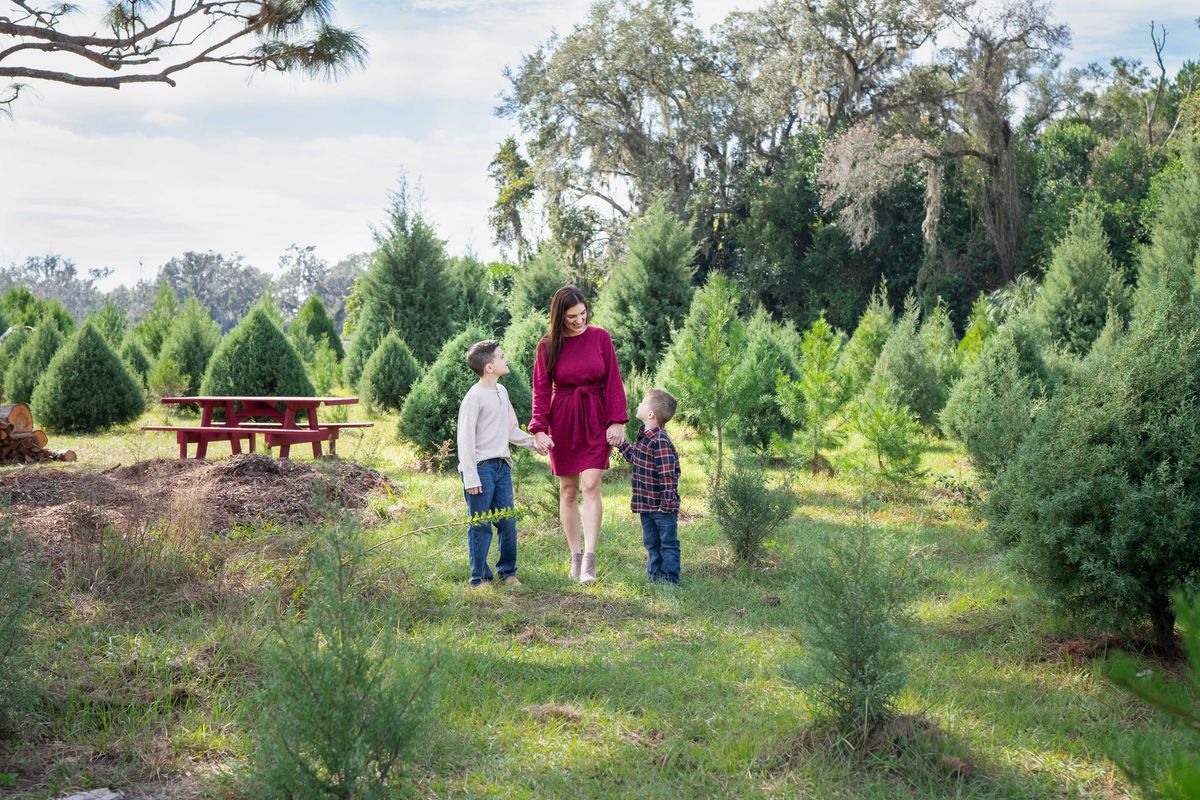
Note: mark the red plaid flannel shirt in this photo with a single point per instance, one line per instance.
(655, 471)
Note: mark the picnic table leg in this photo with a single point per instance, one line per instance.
(252, 437)
(201, 449)
(235, 446)
(316, 449)
(333, 434)
(181, 440)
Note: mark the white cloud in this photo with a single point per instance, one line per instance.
(163, 119)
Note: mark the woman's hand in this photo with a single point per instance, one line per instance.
(542, 443)
(615, 434)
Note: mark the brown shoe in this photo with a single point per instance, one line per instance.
(511, 580)
(576, 563)
(587, 573)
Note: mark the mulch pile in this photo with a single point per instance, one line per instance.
(206, 496)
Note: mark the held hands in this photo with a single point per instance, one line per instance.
(474, 490)
(542, 443)
(615, 434)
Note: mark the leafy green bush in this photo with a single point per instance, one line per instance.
(941, 346)
(855, 589)
(472, 299)
(705, 368)
(15, 597)
(30, 364)
(648, 293)
(315, 322)
(747, 510)
(325, 369)
(430, 413)
(521, 340)
(858, 358)
(1081, 285)
(343, 698)
(134, 355)
(1180, 779)
(255, 358)
(760, 419)
(109, 319)
(190, 343)
(636, 386)
(14, 339)
(87, 387)
(389, 375)
(153, 328)
(167, 379)
(906, 365)
(535, 282)
(812, 401)
(20, 306)
(992, 408)
(980, 327)
(891, 431)
(403, 291)
(1101, 503)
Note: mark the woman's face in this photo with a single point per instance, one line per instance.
(575, 320)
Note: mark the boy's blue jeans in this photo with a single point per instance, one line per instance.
(495, 479)
(660, 534)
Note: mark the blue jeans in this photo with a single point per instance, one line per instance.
(495, 479)
(660, 534)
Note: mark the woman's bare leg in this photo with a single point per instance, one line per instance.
(593, 512)
(568, 509)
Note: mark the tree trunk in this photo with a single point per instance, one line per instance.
(1163, 617)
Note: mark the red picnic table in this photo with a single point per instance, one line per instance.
(240, 423)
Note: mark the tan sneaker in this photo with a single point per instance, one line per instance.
(576, 563)
(587, 573)
(511, 580)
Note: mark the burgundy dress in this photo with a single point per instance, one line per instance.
(585, 397)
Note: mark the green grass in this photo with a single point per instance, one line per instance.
(554, 689)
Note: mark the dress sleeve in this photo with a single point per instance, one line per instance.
(615, 409)
(542, 390)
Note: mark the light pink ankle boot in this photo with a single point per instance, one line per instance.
(576, 563)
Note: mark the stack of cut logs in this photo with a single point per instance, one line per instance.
(20, 443)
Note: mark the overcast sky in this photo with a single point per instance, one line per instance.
(127, 179)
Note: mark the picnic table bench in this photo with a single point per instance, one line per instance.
(241, 422)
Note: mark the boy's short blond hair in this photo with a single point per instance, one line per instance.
(480, 354)
(662, 403)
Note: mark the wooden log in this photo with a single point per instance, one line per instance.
(17, 415)
(37, 438)
(61, 455)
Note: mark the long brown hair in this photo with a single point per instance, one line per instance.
(565, 298)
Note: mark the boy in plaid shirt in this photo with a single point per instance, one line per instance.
(656, 485)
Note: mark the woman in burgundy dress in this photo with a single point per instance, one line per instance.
(579, 412)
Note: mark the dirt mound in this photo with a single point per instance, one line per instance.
(202, 496)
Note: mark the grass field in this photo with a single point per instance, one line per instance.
(553, 689)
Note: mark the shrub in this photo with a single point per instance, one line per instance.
(153, 328)
(1180, 779)
(167, 379)
(343, 699)
(648, 293)
(941, 346)
(389, 375)
(15, 598)
(747, 510)
(1175, 239)
(855, 589)
(812, 401)
(20, 307)
(403, 291)
(430, 413)
(636, 386)
(1101, 503)
(134, 355)
(535, 282)
(1080, 286)
(109, 319)
(315, 322)
(521, 340)
(325, 369)
(30, 364)
(980, 327)
(891, 431)
(905, 364)
(193, 338)
(469, 283)
(14, 339)
(866, 343)
(87, 387)
(705, 368)
(255, 358)
(992, 408)
(760, 420)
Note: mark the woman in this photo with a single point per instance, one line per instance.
(579, 412)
